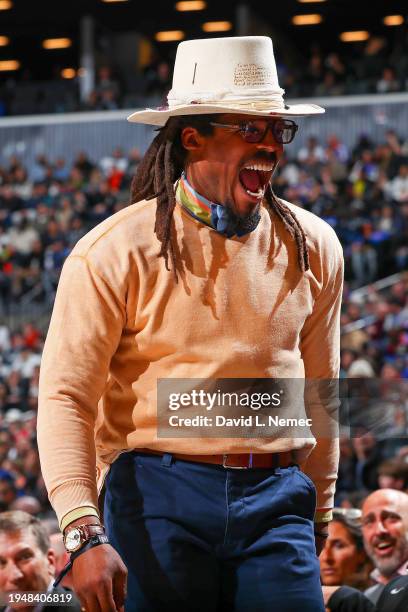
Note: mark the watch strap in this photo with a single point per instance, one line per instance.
(91, 530)
(93, 541)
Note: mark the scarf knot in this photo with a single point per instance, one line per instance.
(221, 218)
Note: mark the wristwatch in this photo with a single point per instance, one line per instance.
(75, 537)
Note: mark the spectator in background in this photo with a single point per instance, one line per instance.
(364, 264)
(364, 143)
(57, 543)
(397, 187)
(314, 70)
(25, 362)
(60, 171)
(61, 557)
(158, 78)
(134, 159)
(28, 504)
(367, 457)
(22, 236)
(114, 168)
(4, 338)
(312, 153)
(393, 474)
(5, 446)
(84, 164)
(92, 102)
(388, 81)
(27, 562)
(332, 85)
(8, 491)
(339, 148)
(365, 164)
(346, 599)
(31, 336)
(107, 88)
(385, 533)
(394, 597)
(108, 100)
(394, 153)
(361, 368)
(39, 169)
(343, 560)
(334, 63)
(371, 63)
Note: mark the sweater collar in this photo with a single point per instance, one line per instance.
(220, 218)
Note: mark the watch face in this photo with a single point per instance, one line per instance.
(73, 540)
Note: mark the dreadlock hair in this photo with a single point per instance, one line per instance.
(163, 164)
(293, 226)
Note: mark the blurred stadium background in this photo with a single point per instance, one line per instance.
(69, 76)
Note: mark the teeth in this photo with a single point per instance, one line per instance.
(258, 194)
(260, 167)
(383, 545)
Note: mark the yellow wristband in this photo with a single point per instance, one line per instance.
(78, 513)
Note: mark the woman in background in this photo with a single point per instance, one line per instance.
(344, 564)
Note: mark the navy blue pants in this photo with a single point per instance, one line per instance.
(197, 537)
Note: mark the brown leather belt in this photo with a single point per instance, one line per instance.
(235, 461)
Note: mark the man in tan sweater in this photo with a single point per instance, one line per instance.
(206, 276)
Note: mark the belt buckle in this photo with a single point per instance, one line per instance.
(236, 467)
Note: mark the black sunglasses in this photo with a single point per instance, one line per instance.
(254, 131)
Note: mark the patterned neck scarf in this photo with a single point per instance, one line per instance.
(220, 218)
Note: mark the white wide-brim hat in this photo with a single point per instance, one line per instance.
(225, 75)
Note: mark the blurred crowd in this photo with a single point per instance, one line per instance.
(376, 66)
(362, 193)
(45, 209)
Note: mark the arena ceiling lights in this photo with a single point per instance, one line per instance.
(9, 65)
(356, 36)
(217, 26)
(5, 5)
(56, 43)
(311, 1)
(191, 5)
(302, 20)
(68, 73)
(169, 36)
(393, 20)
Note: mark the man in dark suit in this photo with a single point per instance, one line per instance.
(27, 567)
(394, 597)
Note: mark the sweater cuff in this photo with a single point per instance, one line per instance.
(78, 513)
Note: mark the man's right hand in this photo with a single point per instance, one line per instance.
(99, 579)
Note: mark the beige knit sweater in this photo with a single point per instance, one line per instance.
(241, 308)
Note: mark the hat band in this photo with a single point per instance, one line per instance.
(255, 97)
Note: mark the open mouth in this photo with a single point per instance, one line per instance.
(384, 548)
(254, 177)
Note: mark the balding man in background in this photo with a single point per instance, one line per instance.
(385, 533)
(27, 565)
(27, 503)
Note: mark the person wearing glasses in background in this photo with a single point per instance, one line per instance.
(206, 275)
(344, 564)
(385, 533)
